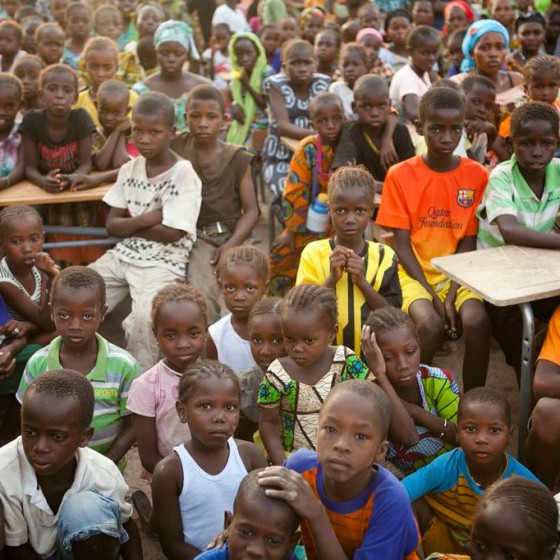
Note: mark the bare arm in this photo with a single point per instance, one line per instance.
(123, 442)
(211, 350)
(410, 105)
(167, 484)
(147, 225)
(270, 430)
(23, 552)
(547, 380)
(47, 182)
(516, 234)
(433, 423)
(251, 455)
(146, 434)
(102, 158)
(280, 114)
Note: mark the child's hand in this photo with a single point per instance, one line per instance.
(285, 239)
(338, 260)
(219, 252)
(284, 484)
(478, 127)
(7, 364)
(452, 322)
(125, 126)
(81, 182)
(355, 267)
(388, 154)
(438, 305)
(237, 113)
(372, 352)
(15, 329)
(44, 262)
(52, 182)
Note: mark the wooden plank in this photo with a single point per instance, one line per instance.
(25, 192)
(507, 275)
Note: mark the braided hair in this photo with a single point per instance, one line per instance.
(311, 297)
(202, 370)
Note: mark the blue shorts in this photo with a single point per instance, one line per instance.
(84, 515)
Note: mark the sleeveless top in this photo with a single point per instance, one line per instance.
(233, 350)
(205, 497)
(7, 276)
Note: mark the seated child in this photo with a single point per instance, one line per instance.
(267, 345)
(354, 64)
(542, 444)
(414, 79)
(350, 505)
(326, 47)
(430, 393)
(530, 32)
(49, 43)
(28, 69)
(59, 498)
(196, 485)
(79, 19)
(112, 142)
(445, 492)
(295, 387)
(308, 178)
(11, 146)
(480, 98)
(258, 523)
(271, 39)
(154, 208)
(362, 273)
(229, 209)
(541, 82)
(520, 206)
(99, 63)
(397, 25)
(372, 40)
(243, 277)
(437, 218)
(78, 308)
(365, 141)
(216, 56)
(179, 323)
(455, 52)
(249, 71)
(11, 38)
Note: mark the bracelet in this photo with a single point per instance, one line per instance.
(444, 427)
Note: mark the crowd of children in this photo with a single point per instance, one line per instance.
(287, 403)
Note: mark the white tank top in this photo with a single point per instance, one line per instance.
(206, 497)
(233, 350)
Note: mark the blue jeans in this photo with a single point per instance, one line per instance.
(84, 515)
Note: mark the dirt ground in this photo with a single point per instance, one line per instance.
(500, 377)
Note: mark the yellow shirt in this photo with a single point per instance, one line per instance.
(86, 102)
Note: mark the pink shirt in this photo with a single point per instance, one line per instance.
(154, 395)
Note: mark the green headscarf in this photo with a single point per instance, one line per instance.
(238, 132)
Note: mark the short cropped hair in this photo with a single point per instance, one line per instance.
(324, 98)
(251, 492)
(153, 103)
(439, 98)
(422, 35)
(46, 27)
(10, 82)
(368, 83)
(14, 27)
(115, 89)
(474, 80)
(65, 384)
(76, 277)
(206, 92)
(486, 396)
(357, 50)
(399, 12)
(530, 112)
(57, 69)
(372, 393)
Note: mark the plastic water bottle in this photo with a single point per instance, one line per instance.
(318, 215)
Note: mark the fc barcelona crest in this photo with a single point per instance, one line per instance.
(465, 197)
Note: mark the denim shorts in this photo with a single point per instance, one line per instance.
(84, 515)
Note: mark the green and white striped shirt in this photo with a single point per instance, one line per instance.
(111, 377)
(508, 194)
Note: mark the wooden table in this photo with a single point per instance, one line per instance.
(25, 192)
(510, 275)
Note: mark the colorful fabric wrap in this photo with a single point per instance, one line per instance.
(238, 132)
(477, 30)
(177, 32)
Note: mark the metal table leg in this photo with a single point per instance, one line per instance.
(526, 382)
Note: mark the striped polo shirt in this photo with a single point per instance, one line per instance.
(111, 377)
(508, 194)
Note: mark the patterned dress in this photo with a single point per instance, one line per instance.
(305, 167)
(299, 403)
(9, 151)
(276, 156)
(440, 397)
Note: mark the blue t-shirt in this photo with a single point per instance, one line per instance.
(378, 524)
(223, 554)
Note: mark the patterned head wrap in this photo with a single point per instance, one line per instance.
(177, 32)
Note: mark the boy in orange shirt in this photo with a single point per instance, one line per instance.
(430, 202)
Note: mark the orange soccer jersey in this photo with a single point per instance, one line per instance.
(439, 209)
(551, 347)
